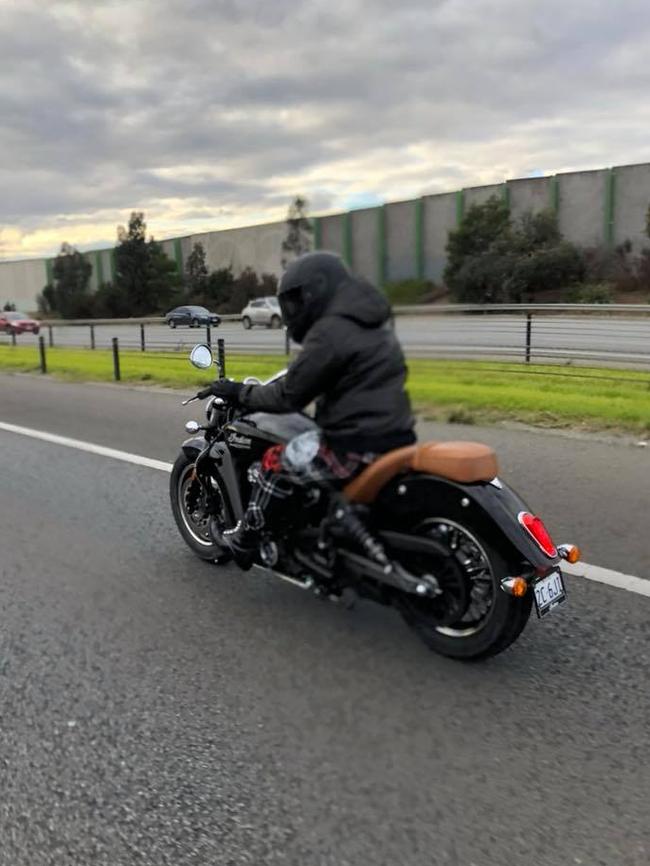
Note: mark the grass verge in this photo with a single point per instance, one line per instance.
(457, 391)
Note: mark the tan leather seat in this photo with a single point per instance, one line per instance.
(465, 462)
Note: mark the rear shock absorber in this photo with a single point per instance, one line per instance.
(356, 530)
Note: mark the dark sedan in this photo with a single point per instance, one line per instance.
(192, 316)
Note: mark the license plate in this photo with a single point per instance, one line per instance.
(549, 592)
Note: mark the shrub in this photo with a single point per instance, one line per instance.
(492, 260)
(411, 291)
(590, 293)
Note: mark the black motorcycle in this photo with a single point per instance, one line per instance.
(429, 529)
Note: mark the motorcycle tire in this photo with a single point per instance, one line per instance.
(504, 623)
(197, 536)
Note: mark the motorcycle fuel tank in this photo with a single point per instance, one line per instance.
(272, 429)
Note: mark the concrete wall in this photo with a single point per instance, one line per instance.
(257, 247)
(631, 185)
(400, 240)
(533, 194)
(365, 243)
(439, 219)
(21, 282)
(480, 194)
(332, 233)
(581, 198)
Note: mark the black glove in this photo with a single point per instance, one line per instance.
(226, 389)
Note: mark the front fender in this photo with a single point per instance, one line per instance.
(193, 446)
(492, 509)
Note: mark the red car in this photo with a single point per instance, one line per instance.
(18, 323)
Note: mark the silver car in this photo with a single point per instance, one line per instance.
(262, 311)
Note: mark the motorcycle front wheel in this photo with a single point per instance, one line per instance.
(470, 568)
(190, 510)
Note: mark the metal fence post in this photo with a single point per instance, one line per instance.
(208, 336)
(116, 360)
(50, 335)
(221, 358)
(529, 328)
(142, 344)
(13, 338)
(41, 352)
(92, 336)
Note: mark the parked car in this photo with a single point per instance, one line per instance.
(192, 316)
(262, 311)
(18, 323)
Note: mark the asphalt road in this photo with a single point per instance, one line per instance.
(584, 337)
(157, 710)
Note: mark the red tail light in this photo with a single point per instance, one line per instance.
(538, 532)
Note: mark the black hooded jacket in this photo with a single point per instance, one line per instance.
(352, 364)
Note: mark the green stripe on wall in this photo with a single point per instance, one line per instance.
(99, 266)
(419, 238)
(555, 194)
(609, 206)
(382, 261)
(460, 206)
(347, 239)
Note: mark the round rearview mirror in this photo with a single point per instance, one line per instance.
(201, 356)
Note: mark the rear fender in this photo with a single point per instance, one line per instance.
(491, 507)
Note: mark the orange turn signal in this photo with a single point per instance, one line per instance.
(570, 552)
(517, 586)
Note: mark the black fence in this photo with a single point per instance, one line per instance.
(610, 335)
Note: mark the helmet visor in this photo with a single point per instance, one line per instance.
(291, 304)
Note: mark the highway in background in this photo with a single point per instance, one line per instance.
(158, 710)
(614, 339)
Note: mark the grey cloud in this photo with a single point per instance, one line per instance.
(96, 99)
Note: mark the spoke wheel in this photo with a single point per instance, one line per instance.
(192, 513)
(473, 618)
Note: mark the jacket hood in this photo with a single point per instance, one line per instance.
(360, 301)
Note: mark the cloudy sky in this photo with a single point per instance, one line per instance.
(214, 113)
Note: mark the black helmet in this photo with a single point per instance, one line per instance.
(306, 288)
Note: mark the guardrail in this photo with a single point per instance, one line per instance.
(616, 334)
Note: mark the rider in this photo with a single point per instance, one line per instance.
(351, 363)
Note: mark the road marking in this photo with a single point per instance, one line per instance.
(638, 585)
(90, 447)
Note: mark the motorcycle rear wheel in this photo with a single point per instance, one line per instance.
(493, 619)
(188, 508)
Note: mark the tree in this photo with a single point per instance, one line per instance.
(196, 271)
(9, 307)
(480, 228)
(142, 270)
(299, 232)
(490, 259)
(69, 293)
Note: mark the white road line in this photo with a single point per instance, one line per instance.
(638, 585)
(90, 447)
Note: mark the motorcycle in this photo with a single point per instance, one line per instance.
(429, 529)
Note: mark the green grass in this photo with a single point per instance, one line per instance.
(458, 391)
